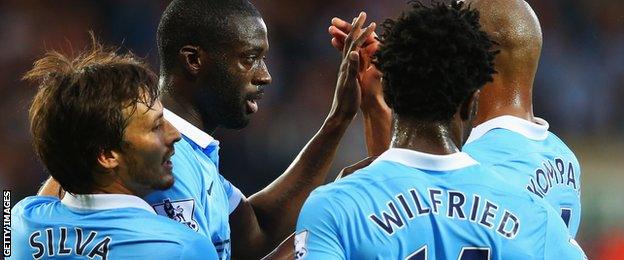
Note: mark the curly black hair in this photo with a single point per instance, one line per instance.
(432, 59)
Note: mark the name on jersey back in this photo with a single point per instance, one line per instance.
(449, 204)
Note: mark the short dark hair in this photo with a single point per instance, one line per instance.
(205, 23)
(433, 58)
(77, 112)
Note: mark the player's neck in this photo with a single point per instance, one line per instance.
(176, 98)
(499, 100)
(426, 137)
(116, 187)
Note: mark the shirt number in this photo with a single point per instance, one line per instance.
(467, 253)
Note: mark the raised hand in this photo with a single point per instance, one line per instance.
(368, 75)
(348, 95)
(376, 113)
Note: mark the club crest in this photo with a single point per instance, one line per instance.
(300, 244)
(179, 210)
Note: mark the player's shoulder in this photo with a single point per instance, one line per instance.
(559, 145)
(146, 226)
(34, 202)
(149, 224)
(362, 180)
(495, 183)
(365, 185)
(177, 238)
(342, 193)
(498, 143)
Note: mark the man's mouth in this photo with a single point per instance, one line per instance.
(252, 104)
(167, 160)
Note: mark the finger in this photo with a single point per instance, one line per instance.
(337, 33)
(354, 63)
(357, 31)
(358, 42)
(359, 22)
(337, 44)
(365, 35)
(341, 24)
(356, 28)
(349, 38)
(370, 49)
(371, 39)
(338, 38)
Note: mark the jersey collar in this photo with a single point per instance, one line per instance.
(201, 138)
(104, 202)
(536, 130)
(426, 161)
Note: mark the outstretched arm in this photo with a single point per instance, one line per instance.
(286, 249)
(259, 223)
(376, 113)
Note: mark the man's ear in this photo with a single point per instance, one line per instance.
(468, 109)
(190, 58)
(108, 159)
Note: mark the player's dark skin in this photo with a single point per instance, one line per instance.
(515, 27)
(510, 23)
(266, 218)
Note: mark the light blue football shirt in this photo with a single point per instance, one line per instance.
(412, 205)
(527, 155)
(200, 197)
(100, 226)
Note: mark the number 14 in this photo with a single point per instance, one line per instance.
(467, 253)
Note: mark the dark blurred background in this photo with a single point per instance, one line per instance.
(579, 88)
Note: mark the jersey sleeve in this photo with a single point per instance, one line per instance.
(559, 243)
(234, 194)
(317, 235)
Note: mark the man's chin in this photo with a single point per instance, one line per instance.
(165, 183)
(237, 124)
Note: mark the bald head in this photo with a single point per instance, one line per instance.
(516, 29)
(511, 23)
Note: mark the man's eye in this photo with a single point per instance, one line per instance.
(250, 59)
(158, 127)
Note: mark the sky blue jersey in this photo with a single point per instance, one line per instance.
(412, 205)
(200, 197)
(102, 226)
(527, 155)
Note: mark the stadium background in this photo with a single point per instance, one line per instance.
(578, 89)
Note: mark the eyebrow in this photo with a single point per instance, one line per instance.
(158, 117)
(254, 49)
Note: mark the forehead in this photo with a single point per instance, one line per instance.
(140, 114)
(248, 31)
